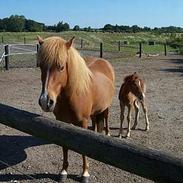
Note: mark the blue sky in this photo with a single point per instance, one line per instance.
(97, 13)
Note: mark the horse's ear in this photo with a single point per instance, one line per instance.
(70, 42)
(40, 39)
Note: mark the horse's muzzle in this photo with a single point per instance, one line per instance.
(46, 103)
(141, 97)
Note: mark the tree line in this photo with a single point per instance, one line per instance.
(16, 23)
(135, 29)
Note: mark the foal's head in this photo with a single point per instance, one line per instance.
(52, 56)
(135, 85)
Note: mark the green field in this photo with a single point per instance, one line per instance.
(91, 40)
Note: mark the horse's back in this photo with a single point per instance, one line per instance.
(101, 65)
(103, 83)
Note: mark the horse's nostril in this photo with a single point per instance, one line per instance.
(50, 103)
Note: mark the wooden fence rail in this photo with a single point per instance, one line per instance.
(148, 163)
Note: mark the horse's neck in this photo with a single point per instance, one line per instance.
(79, 75)
(126, 88)
(124, 91)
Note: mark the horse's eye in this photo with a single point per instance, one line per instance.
(60, 67)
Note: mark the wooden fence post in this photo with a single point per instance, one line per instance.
(2, 39)
(24, 40)
(140, 50)
(101, 50)
(6, 48)
(37, 49)
(165, 49)
(81, 43)
(119, 46)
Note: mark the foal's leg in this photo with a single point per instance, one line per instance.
(85, 174)
(122, 107)
(106, 117)
(136, 114)
(144, 107)
(63, 173)
(129, 120)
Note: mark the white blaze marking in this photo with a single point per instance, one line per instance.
(43, 96)
(46, 81)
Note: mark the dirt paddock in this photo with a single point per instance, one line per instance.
(33, 160)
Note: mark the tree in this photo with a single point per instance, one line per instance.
(33, 26)
(51, 28)
(147, 29)
(2, 25)
(16, 23)
(76, 28)
(135, 29)
(62, 27)
(108, 27)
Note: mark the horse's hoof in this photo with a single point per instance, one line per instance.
(108, 134)
(147, 129)
(62, 178)
(85, 179)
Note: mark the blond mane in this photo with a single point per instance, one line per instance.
(54, 51)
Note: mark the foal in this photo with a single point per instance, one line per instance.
(132, 92)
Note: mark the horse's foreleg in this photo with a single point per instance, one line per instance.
(136, 115)
(121, 119)
(144, 107)
(100, 122)
(106, 117)
(63, 173)
(129, 120)
(85, 174)
(94, 123)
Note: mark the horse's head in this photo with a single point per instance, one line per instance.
(136, 85)
(52, 57)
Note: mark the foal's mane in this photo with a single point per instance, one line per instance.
(55, 52)
(131, 77)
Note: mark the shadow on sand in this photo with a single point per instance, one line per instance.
(12, 152)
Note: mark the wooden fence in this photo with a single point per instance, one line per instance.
(21, 47)
(118, 45)
(148, 163)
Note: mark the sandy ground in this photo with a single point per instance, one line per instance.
(33, 160)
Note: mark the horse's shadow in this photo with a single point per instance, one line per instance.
(12, 152)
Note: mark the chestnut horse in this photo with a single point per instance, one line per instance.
(132, 92)
(74, 89)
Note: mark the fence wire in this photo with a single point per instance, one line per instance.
(20, 55)
(24, 55)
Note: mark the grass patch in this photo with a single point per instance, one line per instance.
(91, 40)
